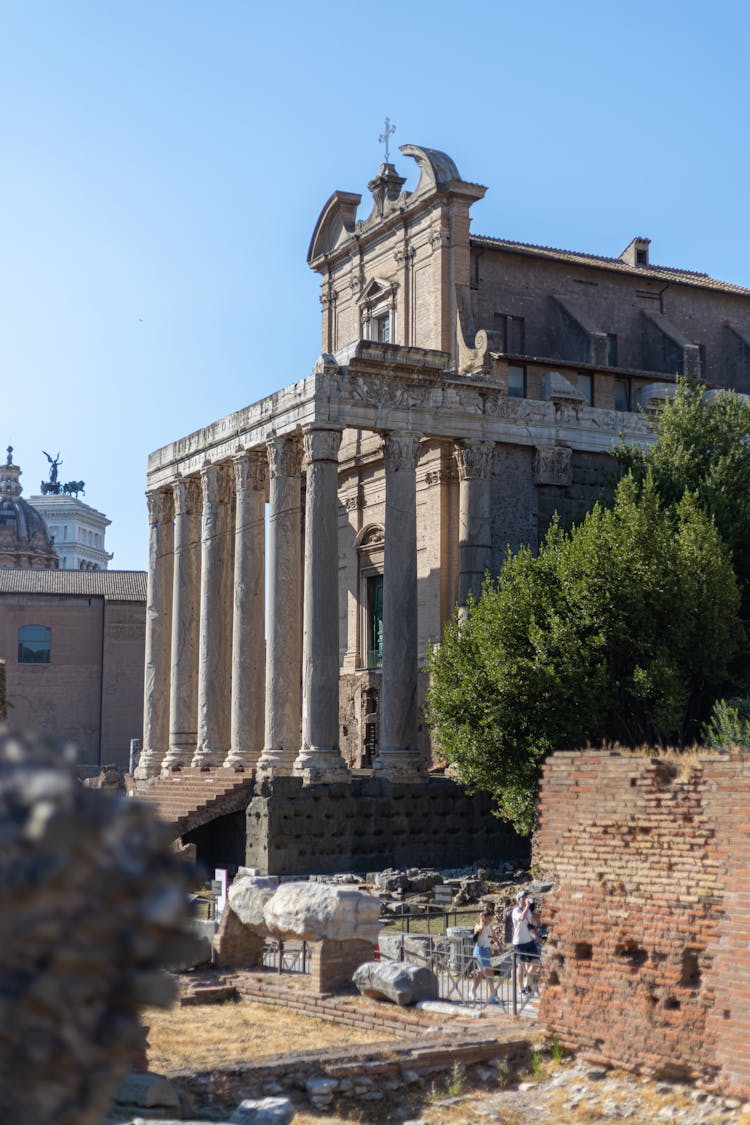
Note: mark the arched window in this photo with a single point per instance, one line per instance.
(34, 644)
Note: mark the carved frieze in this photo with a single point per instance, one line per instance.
(439, 236)
(441, 476)
(552, 465)
(389, 391)
(355, 503)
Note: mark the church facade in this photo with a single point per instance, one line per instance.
(468, 388)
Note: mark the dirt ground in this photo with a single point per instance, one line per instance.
(554, 1089)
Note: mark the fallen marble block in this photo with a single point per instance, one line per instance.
(400, 982)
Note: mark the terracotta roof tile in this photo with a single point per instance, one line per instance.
(112, 585)
(657, 273)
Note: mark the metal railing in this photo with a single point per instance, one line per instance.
(286, 957)
(447, 949)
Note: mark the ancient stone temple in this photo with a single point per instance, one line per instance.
(468, 388)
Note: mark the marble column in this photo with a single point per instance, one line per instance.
(158, 634)
(399, 757)
(320, 758)
(215, 646)
(284, 641)
(183, 708)
(248, 622)
(474, 516)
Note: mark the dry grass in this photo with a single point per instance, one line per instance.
(205, 1037)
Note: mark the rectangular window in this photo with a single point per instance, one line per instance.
(622, 394)
(383, 329)
(585, 384)
(374, 621)
(702, 358)
(517, 382)
(513, 332)
(611, 350)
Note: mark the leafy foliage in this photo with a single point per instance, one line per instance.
(703, 447)
(622, 628)
(728, 724)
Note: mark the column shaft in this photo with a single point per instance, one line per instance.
(158, 634)
(475, 516)
(399, 756)
(215, 647)
(283, 646)
(248, 627)
(183, 710)
(320, 758)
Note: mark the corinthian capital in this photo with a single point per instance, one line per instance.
(160, 507)
(216, 483)
(475, 459)
(250, 471)
(284, 456)
(400, 451)
(322, 445)
(187, 496)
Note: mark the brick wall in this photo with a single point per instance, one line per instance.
(647, 962)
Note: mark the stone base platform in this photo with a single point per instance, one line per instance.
(364, 824)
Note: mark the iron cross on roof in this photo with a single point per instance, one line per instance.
(385, 137)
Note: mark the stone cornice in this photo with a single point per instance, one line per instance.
(376, 392)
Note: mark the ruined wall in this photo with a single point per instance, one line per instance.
(647, 963)
(369, 824)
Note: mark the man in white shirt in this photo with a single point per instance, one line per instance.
(523, 942)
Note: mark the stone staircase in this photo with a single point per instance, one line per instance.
(192, 797)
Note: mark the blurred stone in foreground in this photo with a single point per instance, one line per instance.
(92, 904)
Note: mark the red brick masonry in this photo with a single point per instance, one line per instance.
(648, 956)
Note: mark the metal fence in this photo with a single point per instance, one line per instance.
(431, 940)
(286, 956)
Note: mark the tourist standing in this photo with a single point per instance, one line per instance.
(482, 952)
(523, 942)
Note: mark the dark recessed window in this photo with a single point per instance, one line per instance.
(622, 394)
(374, 620)
(641, 257)
(611, 349)
(585, 384)
(517, 382)
(34, 644)
(513, 332)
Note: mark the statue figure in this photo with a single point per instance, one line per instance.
(54, 464)
(73, 487)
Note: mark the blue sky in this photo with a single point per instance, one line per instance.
(164, 164)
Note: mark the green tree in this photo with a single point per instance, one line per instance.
(623, 628)
(703, 446)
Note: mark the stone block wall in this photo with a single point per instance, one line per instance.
(647, 962)
(368, 824)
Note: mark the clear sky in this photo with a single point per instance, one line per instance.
(164, 163)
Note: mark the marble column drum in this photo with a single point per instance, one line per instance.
(475, 516)
(319, 759)
(284, 641)
(399, 757)
(248, 622)
(183, 710)
(215, 646)
(158, 634)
